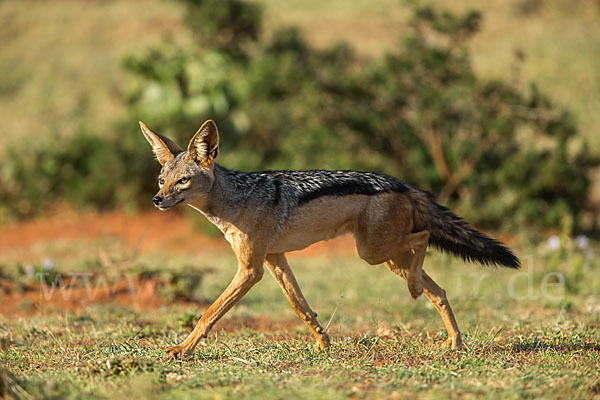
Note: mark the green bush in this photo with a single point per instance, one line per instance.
(501, 155)
(86, 171)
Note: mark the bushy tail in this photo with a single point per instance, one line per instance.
(450, 233)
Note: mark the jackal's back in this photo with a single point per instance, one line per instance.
(299, 187)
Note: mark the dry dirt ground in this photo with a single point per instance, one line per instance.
(149, 232)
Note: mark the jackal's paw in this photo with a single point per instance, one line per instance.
(415, 291)
(178, 352)
(322, 342)
(454, 344)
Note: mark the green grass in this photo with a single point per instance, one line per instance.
(524, 343)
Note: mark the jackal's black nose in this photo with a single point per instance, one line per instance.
(157, 200)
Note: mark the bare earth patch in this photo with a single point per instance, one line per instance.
(136, 293)
(149, 231)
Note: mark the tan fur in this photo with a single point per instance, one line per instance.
(163, 147)
(204, 144)
(382, 225)
(401, 265)
(281, 271)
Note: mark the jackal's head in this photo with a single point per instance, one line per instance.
(186, 175)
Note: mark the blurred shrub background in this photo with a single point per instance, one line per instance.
(505, 151)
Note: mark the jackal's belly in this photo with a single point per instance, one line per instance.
(321, 219)
(298, 240)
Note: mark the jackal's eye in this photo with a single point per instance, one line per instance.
(184, 180)
(161, 181)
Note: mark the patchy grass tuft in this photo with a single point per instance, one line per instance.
(520, 339)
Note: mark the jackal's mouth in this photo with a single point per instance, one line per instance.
(164, 208)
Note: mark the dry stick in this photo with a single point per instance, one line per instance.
(334, 311)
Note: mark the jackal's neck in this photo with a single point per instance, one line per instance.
(230, 188)
(222, 202)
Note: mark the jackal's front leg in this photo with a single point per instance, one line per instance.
(247, 275)
(281, 271)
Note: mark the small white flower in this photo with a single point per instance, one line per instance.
(47, 263)
(553, 243)
(29, 271)
(582, 241)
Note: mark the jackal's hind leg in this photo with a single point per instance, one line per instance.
(438, 298)
(435, 294)
(278, 266)
(417, 242)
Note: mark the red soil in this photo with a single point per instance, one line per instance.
(148, 232)
(138, 294)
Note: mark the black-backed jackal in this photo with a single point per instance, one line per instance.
(263, 215)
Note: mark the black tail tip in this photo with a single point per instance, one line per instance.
(504, 257)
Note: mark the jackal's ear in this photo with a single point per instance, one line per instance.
(164, 148)
(204, 146)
